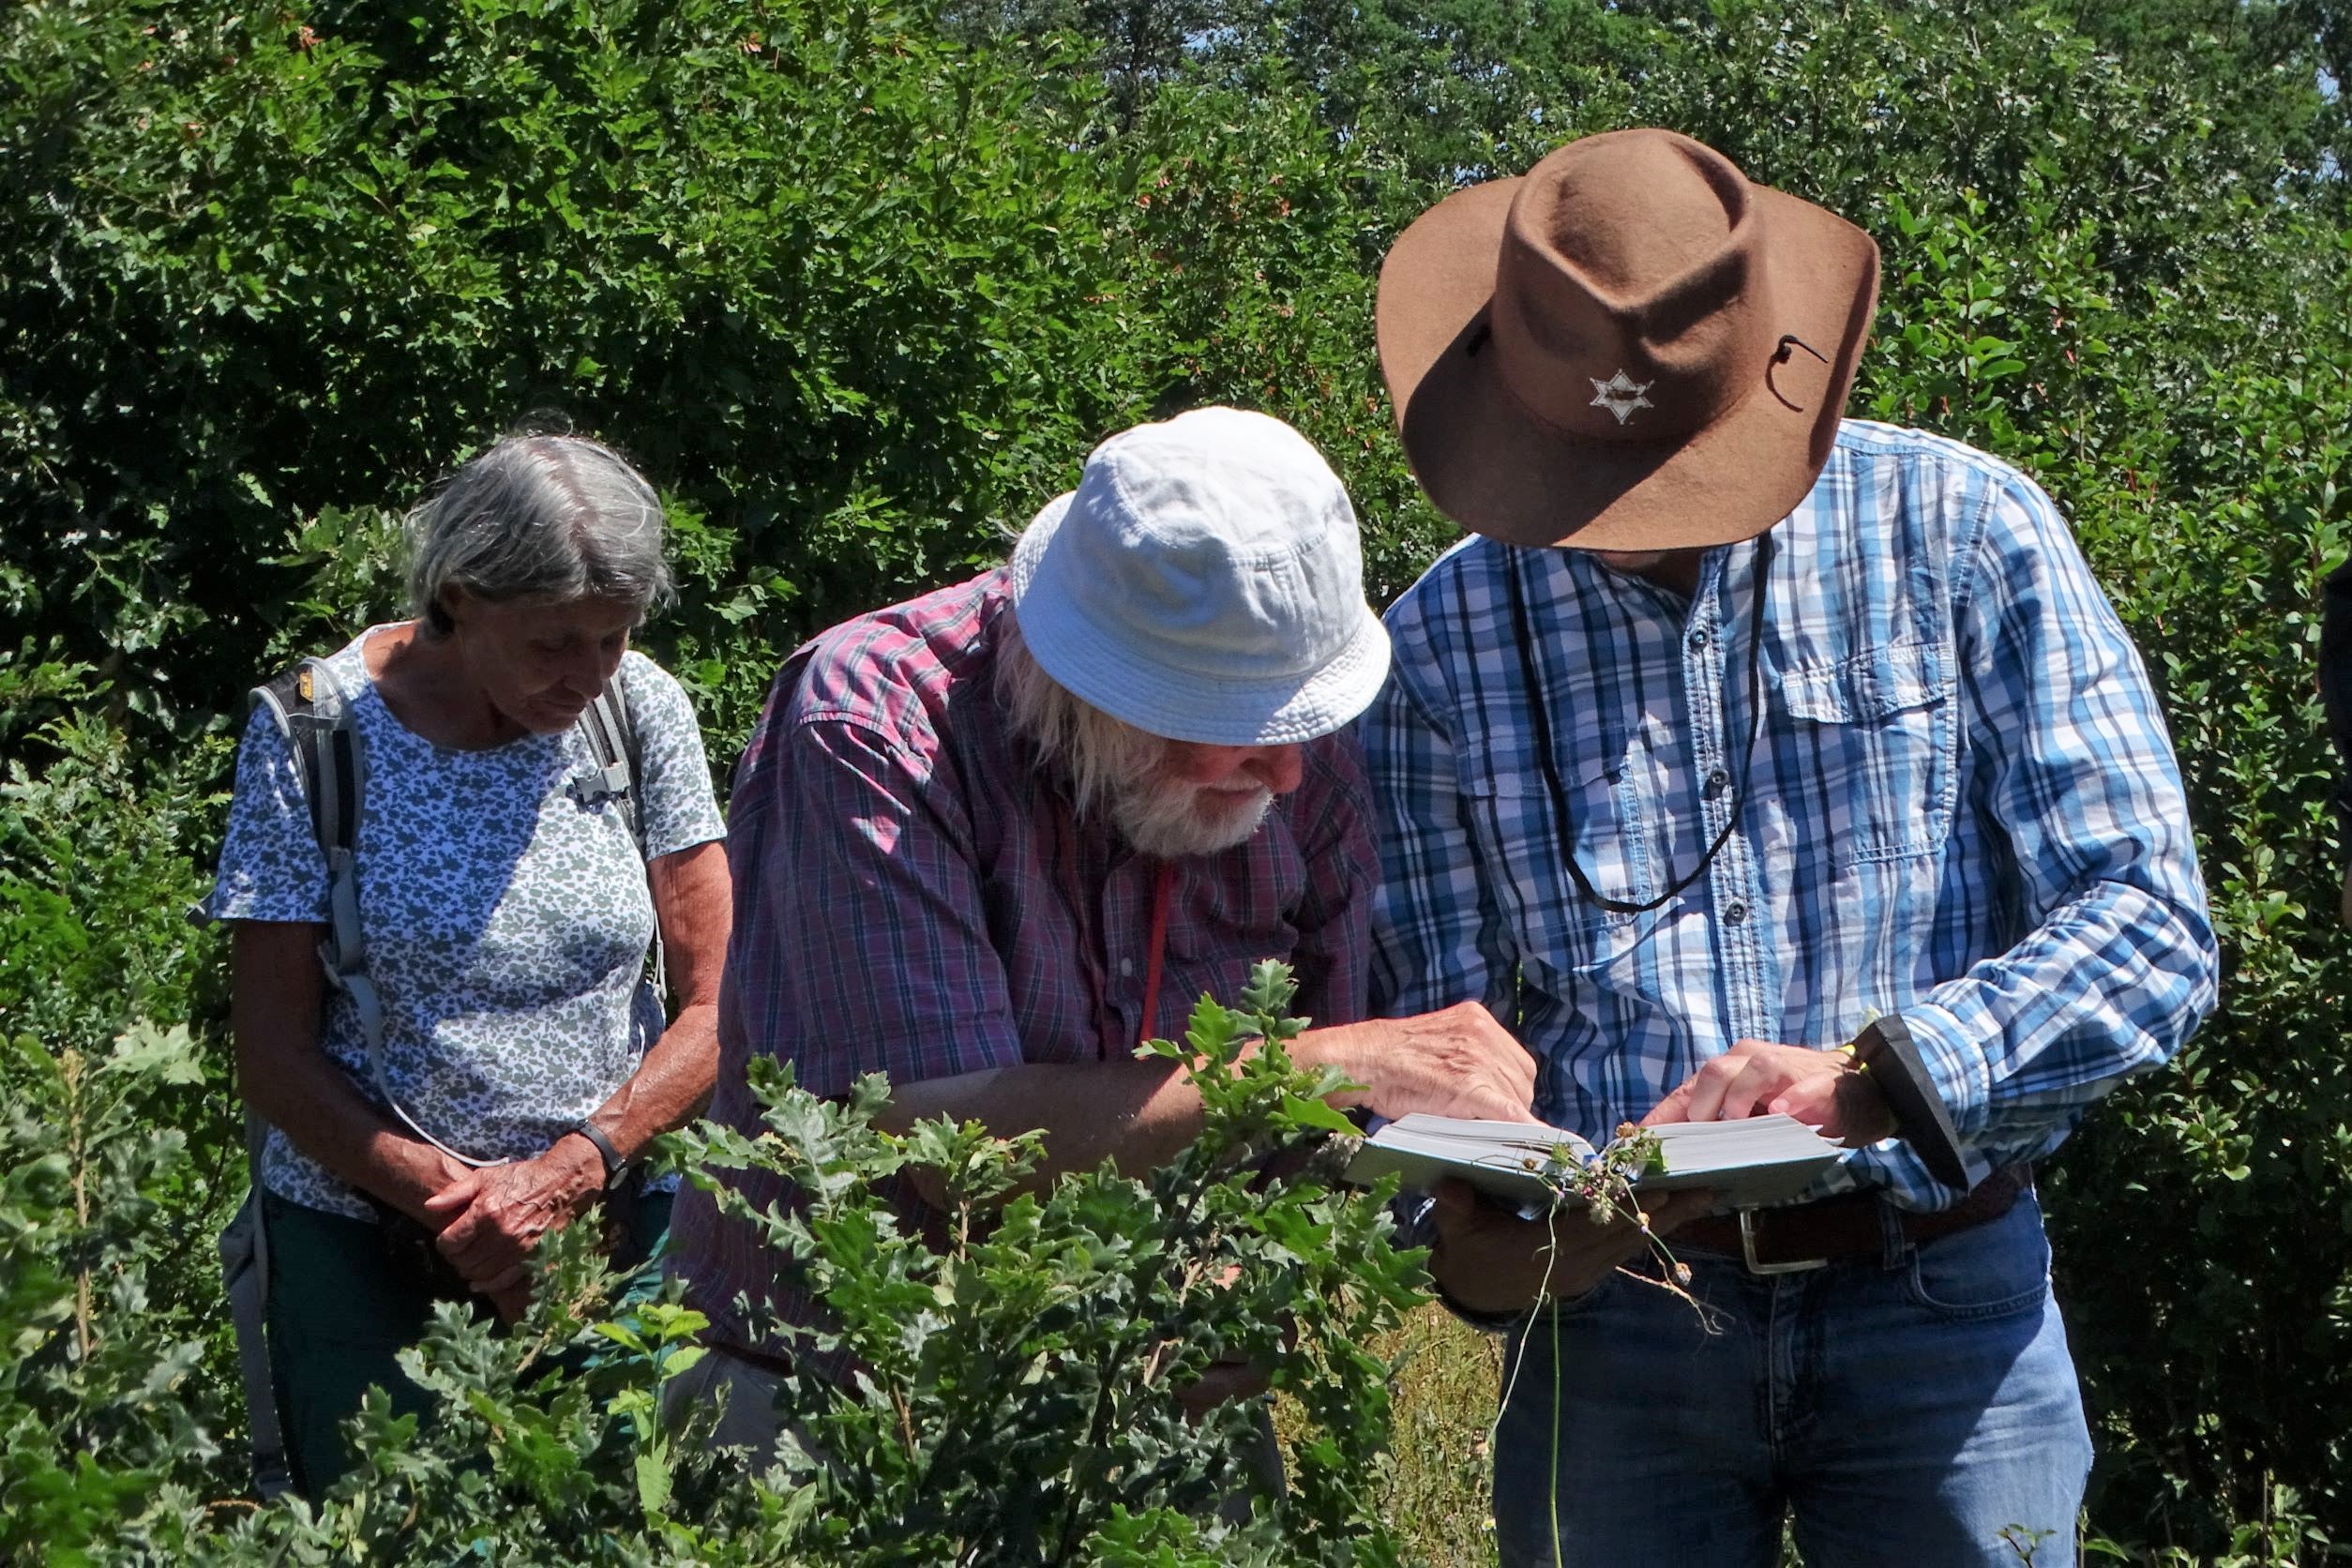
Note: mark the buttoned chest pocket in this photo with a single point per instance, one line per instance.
(1216, 962)
(1222, 928)
(1870, 744)
(1524, 828)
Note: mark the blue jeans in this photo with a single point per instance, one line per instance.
(1908, 1408)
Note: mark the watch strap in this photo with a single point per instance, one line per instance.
(615, 1168)
(1921, 1120)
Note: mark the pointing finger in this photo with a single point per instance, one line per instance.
(1674, 1108)
(1707, 1087)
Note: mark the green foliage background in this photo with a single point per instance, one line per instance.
(859, 286)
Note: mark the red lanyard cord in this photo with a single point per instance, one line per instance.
(1163, 892)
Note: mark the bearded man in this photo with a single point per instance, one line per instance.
(987, 840)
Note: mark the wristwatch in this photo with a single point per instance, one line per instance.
(1887, 1053)
(616, 1170)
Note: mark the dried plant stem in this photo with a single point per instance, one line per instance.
(77, 1154)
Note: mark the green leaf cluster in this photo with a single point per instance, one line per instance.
(1015, 1384)
(1016, 1378)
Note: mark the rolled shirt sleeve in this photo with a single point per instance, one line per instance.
(2120, 963)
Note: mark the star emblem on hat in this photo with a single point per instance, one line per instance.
(1620, 395)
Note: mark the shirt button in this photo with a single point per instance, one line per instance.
(1735, 913)
(1698, 640)
(1126, 968)
(1718, 779)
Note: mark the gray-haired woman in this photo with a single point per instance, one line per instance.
(521, 1060)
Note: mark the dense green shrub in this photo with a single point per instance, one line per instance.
(117, 1158)
(857, 297)
(1018, 1387)
(1016, 1399)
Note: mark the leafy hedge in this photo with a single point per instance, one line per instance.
(859, 286)
(856, 295)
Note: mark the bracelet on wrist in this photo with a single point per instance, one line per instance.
(616, 1170)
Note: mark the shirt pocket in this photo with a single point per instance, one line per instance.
(1523, 835)
(1223, 926)
(1870, 742)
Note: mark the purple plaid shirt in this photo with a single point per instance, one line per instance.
(915, 896)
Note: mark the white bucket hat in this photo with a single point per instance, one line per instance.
(1204, 583)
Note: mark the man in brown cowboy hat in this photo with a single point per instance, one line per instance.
(1752, 761)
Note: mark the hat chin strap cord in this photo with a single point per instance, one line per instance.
(1540, 716)
(1782, 356)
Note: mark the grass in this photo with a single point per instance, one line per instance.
(1436, 1492)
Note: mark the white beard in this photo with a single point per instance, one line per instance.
(1170, 821)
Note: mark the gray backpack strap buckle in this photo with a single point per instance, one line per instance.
(610, 782)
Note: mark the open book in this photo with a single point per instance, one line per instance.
(1760, 1160)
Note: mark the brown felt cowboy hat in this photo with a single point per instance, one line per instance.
(1629, 347)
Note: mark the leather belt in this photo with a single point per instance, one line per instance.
(1851, 1224)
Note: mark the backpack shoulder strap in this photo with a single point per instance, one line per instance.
(612, 734)
(311, 710)
(314, 715)
(315, 712)
(339, 788)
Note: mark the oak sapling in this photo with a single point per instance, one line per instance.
(1019, 1369)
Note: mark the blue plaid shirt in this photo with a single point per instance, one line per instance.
(1962, 807)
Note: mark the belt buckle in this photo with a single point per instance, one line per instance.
(1747, 1251)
